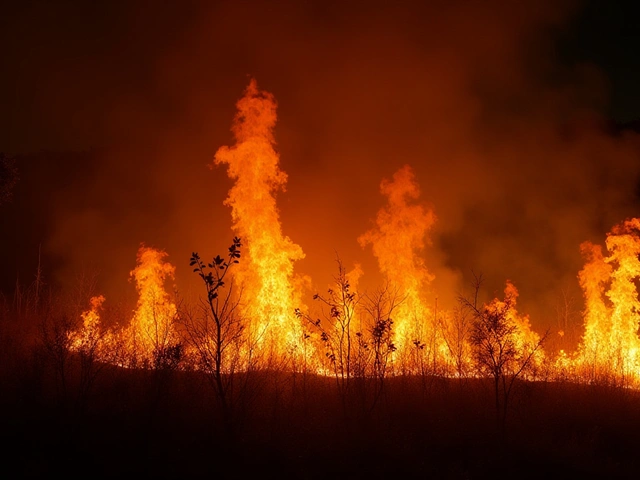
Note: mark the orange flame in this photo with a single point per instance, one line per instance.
(594, 277)
(396, 239)
(88, 336)
(152, 326)
(271, 293)
(610, 344)
(266, 272)
(524, 337)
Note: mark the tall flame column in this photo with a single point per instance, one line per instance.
(266, 270)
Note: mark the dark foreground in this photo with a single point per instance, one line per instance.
(167, 424)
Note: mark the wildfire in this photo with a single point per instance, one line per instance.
(397, 239)
(266, 274)
(610, 345)
(524, 339)
(151, 329)
(397, 330)
(89, 334)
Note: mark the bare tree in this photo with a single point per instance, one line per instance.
(336, 329)
(378, 308)
(168, 350)
(216, 334)
(497, 350)
(55, 342)
(456, 334)
(567, 318)
(88, 343)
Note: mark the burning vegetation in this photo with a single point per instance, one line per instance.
(411, 249)
(266, 274)
(260, 362)
(254, 316)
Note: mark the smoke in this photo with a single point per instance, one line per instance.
(507, 142)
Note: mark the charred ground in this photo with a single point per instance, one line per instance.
(166, 423)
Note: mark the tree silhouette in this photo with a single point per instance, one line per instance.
(219, 329)
(337, 330)
(496, 350)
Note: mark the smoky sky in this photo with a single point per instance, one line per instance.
(115, 110)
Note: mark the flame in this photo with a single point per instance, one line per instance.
(266, 272)
(593, 278)
(524, 337)
(397, 238)
(152, 326)
(271, 293)
(89, 334)
(610, 344)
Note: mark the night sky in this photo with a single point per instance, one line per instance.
(515, 116)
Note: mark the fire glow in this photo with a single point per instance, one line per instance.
(398, 328)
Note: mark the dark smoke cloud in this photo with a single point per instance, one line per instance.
(510, 146)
